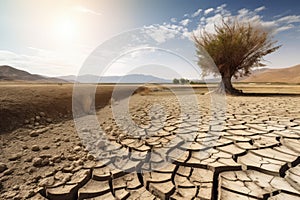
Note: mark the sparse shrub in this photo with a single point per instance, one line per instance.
(175, 81)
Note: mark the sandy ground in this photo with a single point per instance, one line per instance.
(21, 103)
(251, 145)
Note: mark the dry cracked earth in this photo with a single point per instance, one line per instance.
(247, 148)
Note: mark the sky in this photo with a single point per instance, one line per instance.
(56, 38)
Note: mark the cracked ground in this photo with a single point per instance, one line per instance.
(247, 148)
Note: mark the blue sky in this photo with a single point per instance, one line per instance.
(55, 37)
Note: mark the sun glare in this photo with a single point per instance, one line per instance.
(65, 29)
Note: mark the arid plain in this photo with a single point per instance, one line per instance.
(249, 150)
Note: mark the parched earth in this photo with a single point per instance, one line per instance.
(161, 147)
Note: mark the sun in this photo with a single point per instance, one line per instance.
(65, 29)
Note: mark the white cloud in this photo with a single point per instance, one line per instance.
(174, 20)
(31, 63)
(203, 19)
(275, 26)
(207, 11)
(268, 25)
(7, 55)
(221, 9)
(243, 12)
(86, 10)
(162, 33)
(197, 13)
(137, 52)
(284, 28)
(260, 9)
(41, 61)
(186, 34)
(245, 15)
(290, 19)
(185, 22)
(212, 21)
(277, 16)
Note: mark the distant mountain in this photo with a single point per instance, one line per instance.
(283, 75)
(131, 78)
(8, 73)
(253, 73)
(218, 78)
(70, 78)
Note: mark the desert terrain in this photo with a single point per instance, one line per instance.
(149, 100)
(245, 148)
(284, 75)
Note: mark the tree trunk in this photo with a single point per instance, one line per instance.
(226, 86)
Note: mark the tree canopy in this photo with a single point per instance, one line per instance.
(235, 47)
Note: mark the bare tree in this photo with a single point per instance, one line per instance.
(235, 47)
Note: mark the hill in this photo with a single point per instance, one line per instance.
(283, 75)
(130, 78)
(8, 73)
